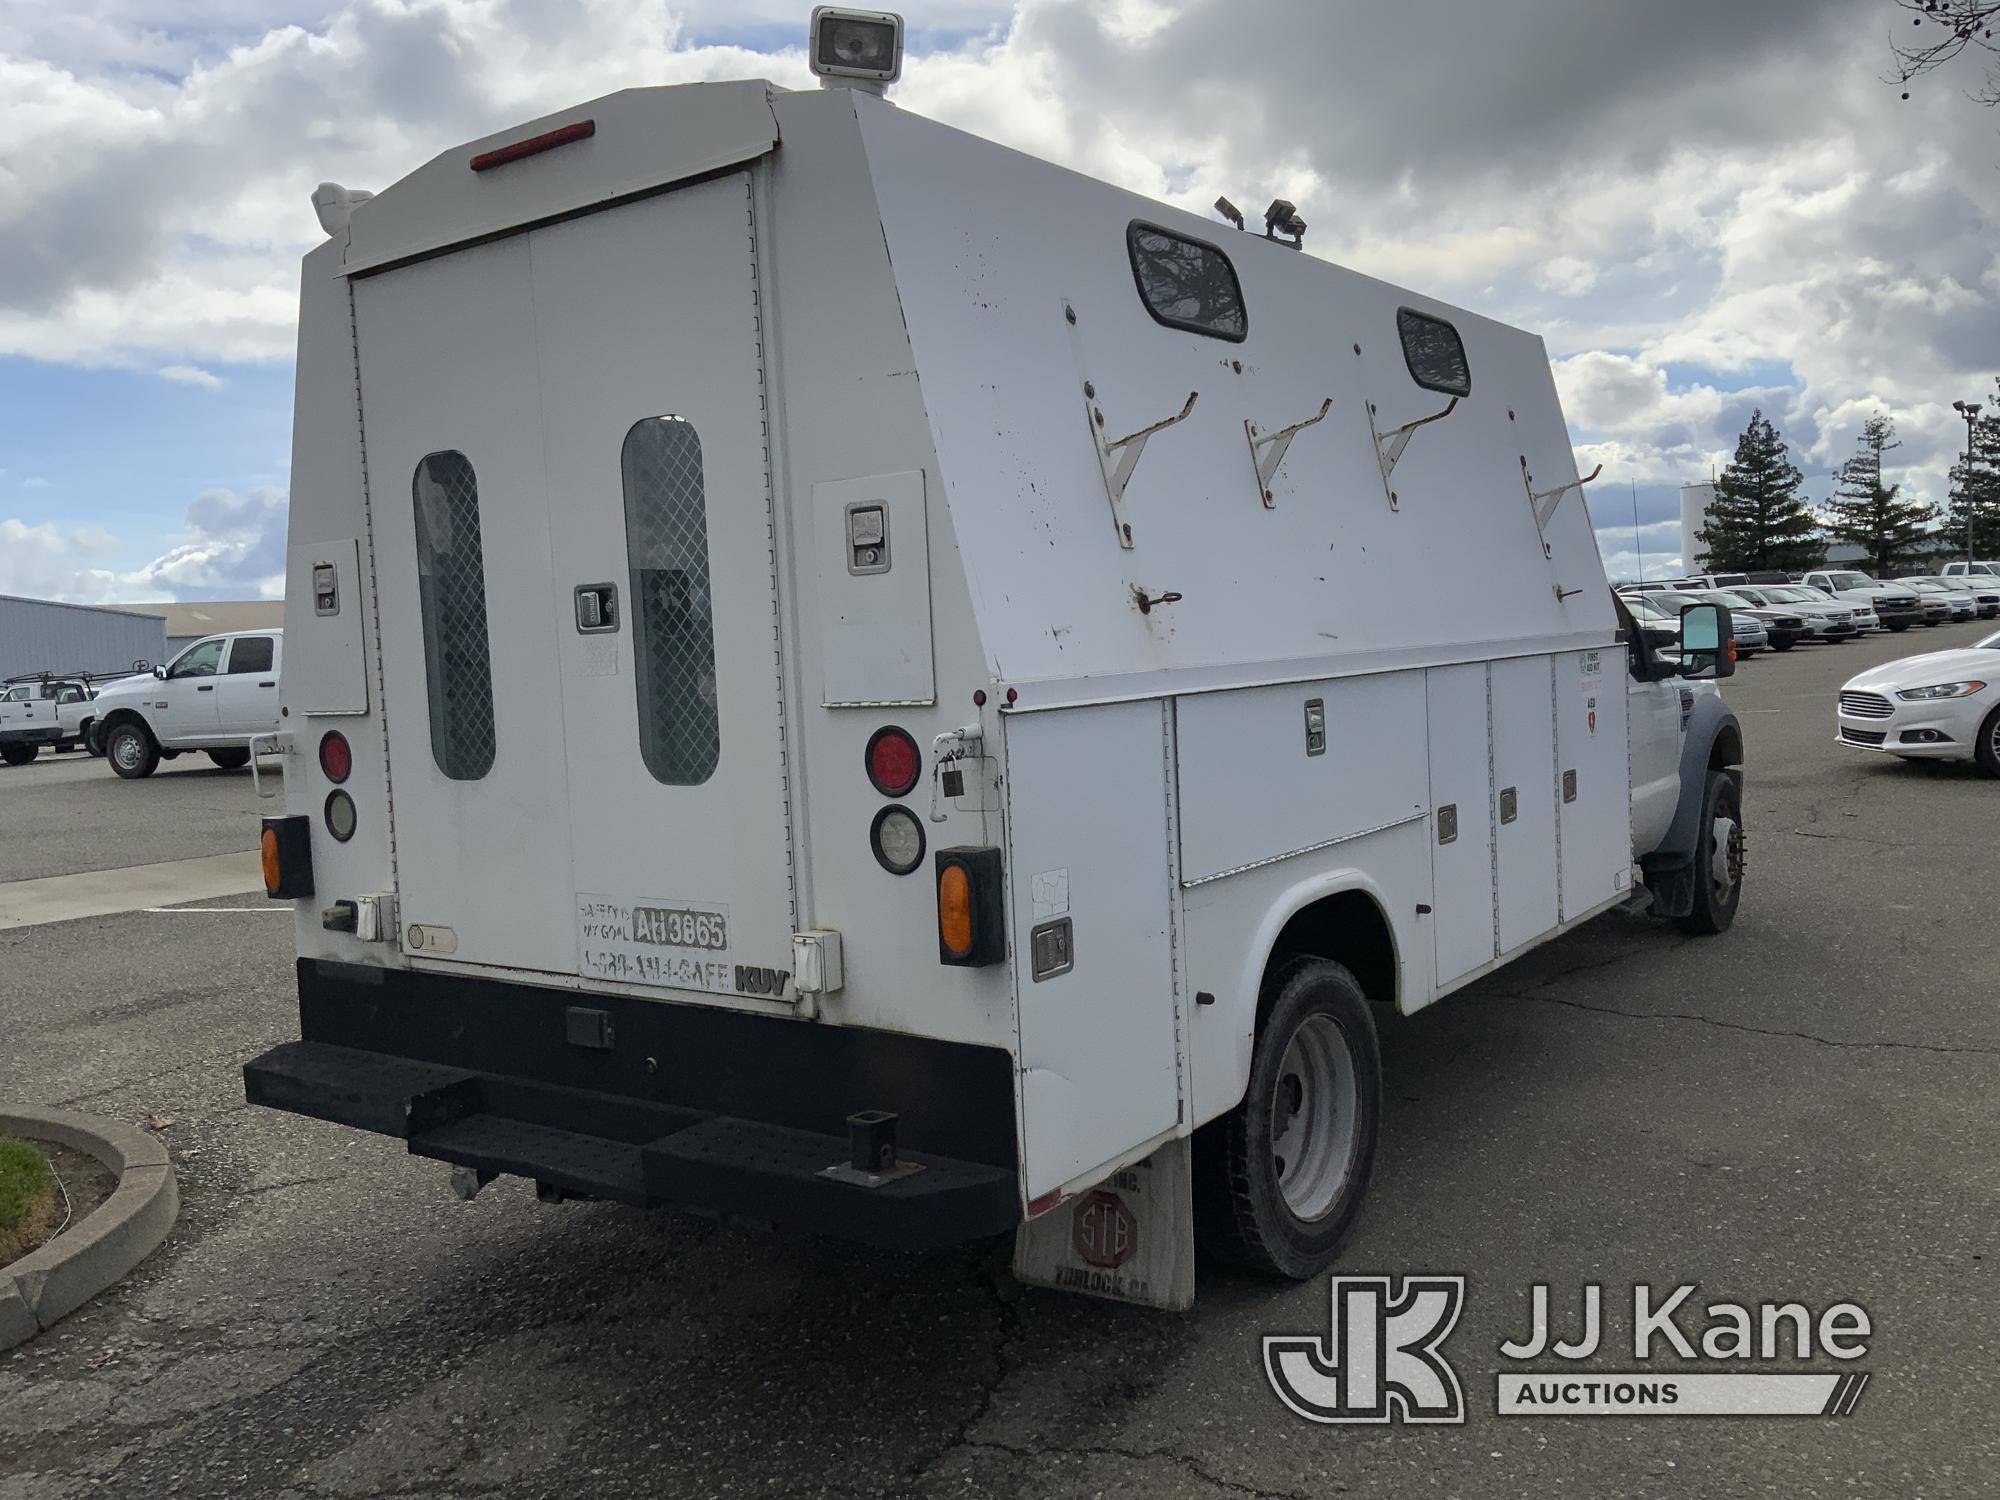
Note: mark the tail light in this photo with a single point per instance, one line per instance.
(892, 761)
(340, 815)
(336, 757)
(285, 847)
(971, 908)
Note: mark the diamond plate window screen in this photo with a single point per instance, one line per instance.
(451, 582)
(673, 638)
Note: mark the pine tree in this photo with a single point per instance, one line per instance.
(1894, 532)
(1977, 501)
(1757, 519)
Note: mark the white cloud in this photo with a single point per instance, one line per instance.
(191, 375)
(34, 482)
(231, 546)
(1681, 198)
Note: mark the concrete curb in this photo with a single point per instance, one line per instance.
(89, 1256)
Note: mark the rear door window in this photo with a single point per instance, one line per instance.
(251, 653)
(673, 612)
(451, 583)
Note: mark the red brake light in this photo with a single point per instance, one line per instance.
(893, 762)
(336, 759)
(534, 145)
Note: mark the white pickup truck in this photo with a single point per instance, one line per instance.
(43, 710)
(1897, 608)
(216, 696)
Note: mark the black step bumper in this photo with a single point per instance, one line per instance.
(735, 1113)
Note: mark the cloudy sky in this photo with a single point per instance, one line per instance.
(1704, 206)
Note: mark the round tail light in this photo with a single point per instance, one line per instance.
(893, 762)
(340, 815)
(336, 758)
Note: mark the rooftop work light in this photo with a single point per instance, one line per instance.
(856, 48)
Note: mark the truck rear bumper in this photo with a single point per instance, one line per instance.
(736, 1113)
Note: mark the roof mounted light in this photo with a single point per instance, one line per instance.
(859, 49)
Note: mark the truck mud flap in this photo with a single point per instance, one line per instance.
(651, 1155)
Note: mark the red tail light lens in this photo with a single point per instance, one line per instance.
(335, 758)
(893, 762)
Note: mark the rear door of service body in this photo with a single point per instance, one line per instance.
(566, 442)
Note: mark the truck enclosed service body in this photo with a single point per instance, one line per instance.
(990, 737)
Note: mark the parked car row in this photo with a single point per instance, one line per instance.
(216, 697)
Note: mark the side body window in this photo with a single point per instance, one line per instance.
(451, 584)
(673, 614)
(199, 660)
(251, 653)
(1186, 283)
(1434, 352)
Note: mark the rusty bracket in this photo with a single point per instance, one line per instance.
(1267, 449)
(1544, 502)
(1389, 446)
(1128, 449)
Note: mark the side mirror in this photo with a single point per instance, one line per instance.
(161, 673)
(1708, 641)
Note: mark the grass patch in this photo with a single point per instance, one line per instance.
(27, 1199)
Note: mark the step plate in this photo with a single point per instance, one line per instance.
(395, 1096)
(580, 1163)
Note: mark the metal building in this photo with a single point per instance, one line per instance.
(43, 635)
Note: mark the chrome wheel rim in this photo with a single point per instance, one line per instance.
(1315, 1118)
(127, 751)
(1725, 856)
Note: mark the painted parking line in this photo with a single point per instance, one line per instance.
(102, 893)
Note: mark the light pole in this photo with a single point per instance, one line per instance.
(1970, 411)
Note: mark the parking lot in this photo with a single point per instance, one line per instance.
(1806, 1109)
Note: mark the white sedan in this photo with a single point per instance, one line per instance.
(1943, 705)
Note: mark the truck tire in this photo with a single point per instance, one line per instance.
(132, 751)
(93, 742)
(1280, 1178)
(1899, 626)
(1783, 642)
(230, 760)
(1986, 750)
(1718, 858)
(17, 754)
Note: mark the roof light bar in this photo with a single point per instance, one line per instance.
(534, 145)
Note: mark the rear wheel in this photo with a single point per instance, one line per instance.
(1899, 626)
(93, 742)
(1987, 750)
(131, 751)
(1281, 1177)
(230, 760)
(1783, 643)
(16, 754)
(1718, 858)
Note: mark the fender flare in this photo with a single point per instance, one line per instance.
(1714, 738)
(119, 716)
(1243, 998)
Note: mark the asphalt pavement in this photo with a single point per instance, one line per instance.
(1806, 1109)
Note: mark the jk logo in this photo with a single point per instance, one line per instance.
(1380, 1361)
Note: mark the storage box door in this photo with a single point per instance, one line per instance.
(1087, 859)
(1524, 794)
(1461, 820)
(1593, 774)
(663, 606)
(452, 414)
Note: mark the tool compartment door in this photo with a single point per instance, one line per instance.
(1524, 823)
(452, 412)
(653, 422)
(1087, 834)
(1461, 769)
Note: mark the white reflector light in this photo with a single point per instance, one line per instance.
(865, 46)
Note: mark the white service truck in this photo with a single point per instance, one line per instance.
(994, 774)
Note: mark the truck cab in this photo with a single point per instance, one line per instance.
(991, 765)
(217, 696)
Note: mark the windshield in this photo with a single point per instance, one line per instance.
(1852, 581)
(1924, 585)
(1734, 601)
(1644, 608)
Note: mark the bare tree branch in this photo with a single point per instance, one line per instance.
(1944, 30)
